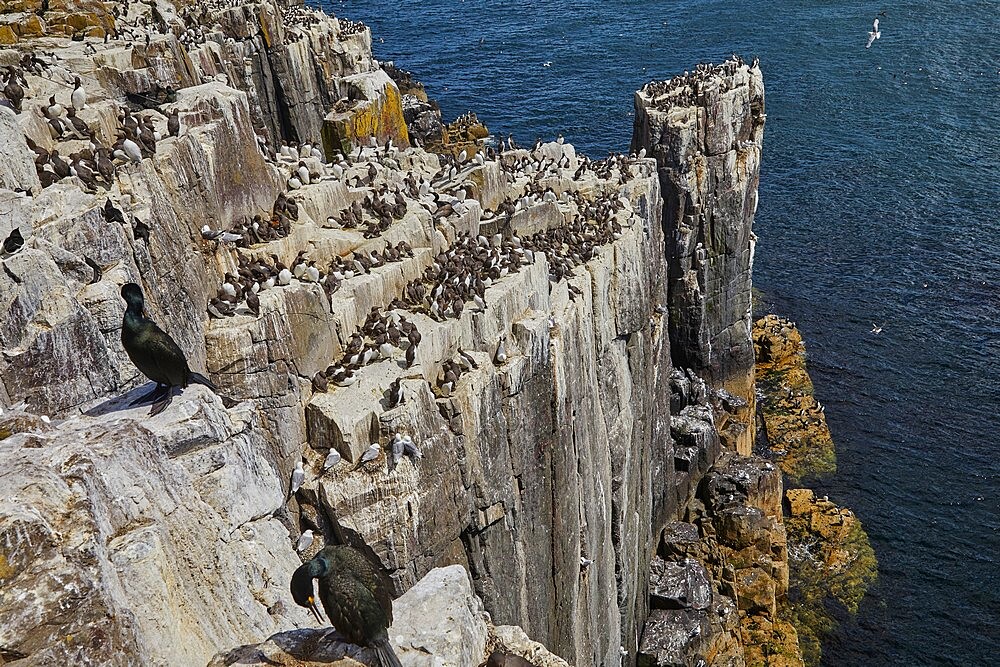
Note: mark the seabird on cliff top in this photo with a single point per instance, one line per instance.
(356, 595)
(371, 453)
(79, 96)
(397, 450)
(332, 459)
(174, 123)
(154, 353)
(298, 476)
(410, 448)
(305, 541)
(13, 242)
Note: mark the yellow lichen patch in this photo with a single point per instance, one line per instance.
(33, 26)
(265, 25)
(381, 118)
(7, 35)
(831, 561)
(769, 643)
(796, 425)
(90, 17)
(6, 571)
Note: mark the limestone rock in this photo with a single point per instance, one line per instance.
(378, 114)
(123, 534)
(679, 585)
(512, 640)
(689, 638)
(705, 131)
(440, 621)
(17, 172)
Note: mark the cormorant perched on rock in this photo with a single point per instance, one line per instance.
(154, 353)
(356, 596)
(13, 243)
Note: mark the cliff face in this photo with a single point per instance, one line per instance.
(550, 472)
(705, 131)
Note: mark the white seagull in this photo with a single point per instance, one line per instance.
(873, 35)
(305, 541)
(298, 476)
(332, 459)
(371, 453)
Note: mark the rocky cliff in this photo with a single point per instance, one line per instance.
(571, 356)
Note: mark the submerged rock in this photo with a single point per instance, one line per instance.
(832, 566)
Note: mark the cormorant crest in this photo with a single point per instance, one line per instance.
(132, 294)
(302, 585)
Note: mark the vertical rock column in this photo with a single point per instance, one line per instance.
(705, 130)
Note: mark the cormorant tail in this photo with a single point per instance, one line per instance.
(201, 379)
(386, 656)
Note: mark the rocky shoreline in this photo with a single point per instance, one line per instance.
(565, 342)
(831, 561)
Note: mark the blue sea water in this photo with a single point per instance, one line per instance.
(878, 204)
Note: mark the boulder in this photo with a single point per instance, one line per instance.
(17, 171)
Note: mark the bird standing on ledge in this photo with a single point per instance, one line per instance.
(154, 353)
(355, 594)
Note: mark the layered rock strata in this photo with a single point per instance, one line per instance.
(705, 131)
(555, 439)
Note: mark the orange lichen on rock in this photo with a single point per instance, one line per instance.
(378, 114)
(796, 427)
(831, 560)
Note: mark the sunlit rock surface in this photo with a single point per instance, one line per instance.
(602, 393)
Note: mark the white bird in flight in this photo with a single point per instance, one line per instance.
(877, 328)
(874, 34)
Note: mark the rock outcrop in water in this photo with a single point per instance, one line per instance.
(705, 131)
(566, 342)
(794, 423)
(831, 562)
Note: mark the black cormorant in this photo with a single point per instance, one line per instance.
(355, 594)
(154, 352)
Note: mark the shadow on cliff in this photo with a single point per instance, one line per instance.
(123, 402)
(307, 645)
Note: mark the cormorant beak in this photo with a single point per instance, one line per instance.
(313, 609)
